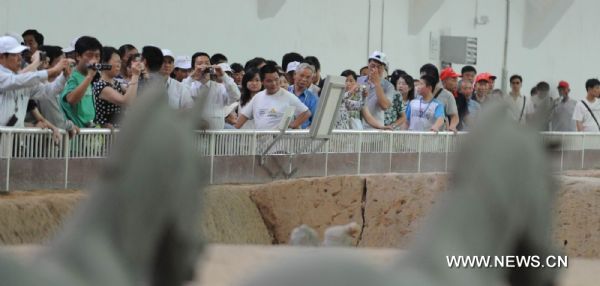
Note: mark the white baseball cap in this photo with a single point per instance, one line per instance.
(225, 67)
(16, 36)
(183, 62)
(71, 47)
(10, 45)
(167, 53)
(379, 56)
(292, 67)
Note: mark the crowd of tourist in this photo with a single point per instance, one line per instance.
(89, 85)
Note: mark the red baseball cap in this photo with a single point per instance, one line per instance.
(448, 73)
(484, 76)
(563, 84)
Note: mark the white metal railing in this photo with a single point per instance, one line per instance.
(34, 144)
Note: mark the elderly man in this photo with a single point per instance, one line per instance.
(267, 107)
(179, 94)
(380, 91)
(303, 78)
(482, 87)
(16, 89)
(562, 118)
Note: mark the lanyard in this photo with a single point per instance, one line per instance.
(422, 112)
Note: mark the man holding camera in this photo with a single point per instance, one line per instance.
(211, 82)
(77, 100)
(17, 88)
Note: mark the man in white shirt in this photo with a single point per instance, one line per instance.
(16, 89)
(267, 107)
(211, 82)
(520, 107)
(587, 111)
(179, 94)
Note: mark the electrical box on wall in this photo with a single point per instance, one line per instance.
(458, 50)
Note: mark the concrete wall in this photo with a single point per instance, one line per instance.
(340, 32)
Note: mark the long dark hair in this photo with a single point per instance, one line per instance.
(245, 92)
(411, 85)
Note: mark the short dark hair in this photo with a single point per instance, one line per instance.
(53, 52)
(533, 91)
(363, 68)
(591, 83)
(542, 86)
(254, 63)
(87, 43)
(37, 36)
(313, 61)
(432, 71)
(196, 55)
(347, 73)
(267, 69)
(107, 53)
(154, 58)
(291, 57)
(272, 62)
(124, 49)
(237, 67)
(466, 69)
(218, 58)
(429, 81)
(516, 76)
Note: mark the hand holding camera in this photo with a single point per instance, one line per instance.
(137, 68)
(99, 67)
(62, 65)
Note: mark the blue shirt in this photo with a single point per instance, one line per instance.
(311, 101)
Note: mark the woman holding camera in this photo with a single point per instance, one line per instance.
(109, 95)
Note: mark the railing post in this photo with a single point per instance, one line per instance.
(391, 149)
(359, 152)
(67, 154)
(254, 139)
(562, 151)
(212, 156)
(447, 150)
(327, 157)
(420, 150)
(9, 149)
(582, 151)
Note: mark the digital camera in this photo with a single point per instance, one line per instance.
(100, 67)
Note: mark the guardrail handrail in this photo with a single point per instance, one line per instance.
(95, 143)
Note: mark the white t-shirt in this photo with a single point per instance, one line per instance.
(582, 114)
(519, 108)
(267, 110)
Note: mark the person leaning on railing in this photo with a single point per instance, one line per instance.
(16, 89)
(109, 96)
(50, 112)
